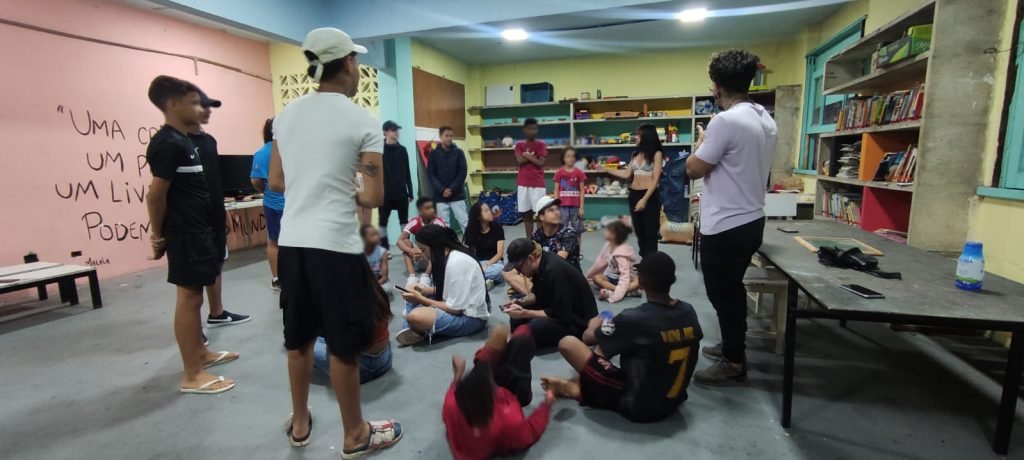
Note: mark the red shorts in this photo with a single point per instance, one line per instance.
(601, 383)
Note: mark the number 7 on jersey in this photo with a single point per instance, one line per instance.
(679, 354)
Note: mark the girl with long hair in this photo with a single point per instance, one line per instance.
(644, 170)
(486, 238)
(461, 305)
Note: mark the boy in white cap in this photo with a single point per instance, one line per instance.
(321, 141)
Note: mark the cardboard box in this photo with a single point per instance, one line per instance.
(900, 50)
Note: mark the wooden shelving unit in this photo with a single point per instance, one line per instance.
(873, 204)
(558, 127)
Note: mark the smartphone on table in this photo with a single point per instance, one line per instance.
(862, 291)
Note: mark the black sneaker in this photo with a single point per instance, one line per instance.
(226, 319)
(275, 284)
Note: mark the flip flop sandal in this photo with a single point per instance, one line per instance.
(223, 357)
(383, 434)
(204, 389)
(295, 442)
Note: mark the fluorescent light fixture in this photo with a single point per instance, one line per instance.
(693, 15)
(514, 35)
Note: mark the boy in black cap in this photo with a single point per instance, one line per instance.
(561, 301)
(657, 342)
(178, 205)
(206, 145)
(397, 182)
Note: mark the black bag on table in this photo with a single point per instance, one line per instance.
(853, 258)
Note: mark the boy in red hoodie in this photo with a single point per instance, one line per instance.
(483, 412)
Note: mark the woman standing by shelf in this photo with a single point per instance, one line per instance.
(644, 170)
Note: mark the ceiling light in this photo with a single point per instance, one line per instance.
(514, 35)
(693, 15)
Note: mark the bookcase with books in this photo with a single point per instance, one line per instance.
(868, 171)
(603, 131)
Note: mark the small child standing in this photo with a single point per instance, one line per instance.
(612, 272)
(569, 181)
(375, 255)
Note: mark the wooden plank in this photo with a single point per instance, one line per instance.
(926, 290)
(439, 102)
(23, 268)
(47, 273)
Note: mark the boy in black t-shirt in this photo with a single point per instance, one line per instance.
(178, 204)
(206, 145)
(657, 342)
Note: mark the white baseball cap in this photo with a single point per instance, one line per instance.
(328, 44)
(545, 202)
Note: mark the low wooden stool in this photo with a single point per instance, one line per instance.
(766, 280)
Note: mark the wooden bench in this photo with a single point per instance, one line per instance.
(41, 274)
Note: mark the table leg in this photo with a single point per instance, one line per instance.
(43, 295)
(72, 291)
(1008, 403)
(787, 373)
(94, 290)
(842, 323)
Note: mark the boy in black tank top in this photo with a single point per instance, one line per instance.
(657, 343)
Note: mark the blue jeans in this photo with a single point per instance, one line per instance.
(447, 324)
(370, 366)
(493, 272)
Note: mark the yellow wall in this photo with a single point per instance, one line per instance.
(662, 73)
(285, 59)
(439, 63)
(288, 71)
(996, 222)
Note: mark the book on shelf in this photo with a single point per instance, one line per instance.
(895, 107)
(842, 206)
(906, 166)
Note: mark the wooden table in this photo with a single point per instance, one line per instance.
(40, 274)
(926, 296)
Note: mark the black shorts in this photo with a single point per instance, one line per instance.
(601, 384)
(193, 259)
(220, 242)
(326, 293)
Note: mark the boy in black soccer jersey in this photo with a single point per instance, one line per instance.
(657, 342)
(178, 204)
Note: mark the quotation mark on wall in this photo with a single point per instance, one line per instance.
(60, 109)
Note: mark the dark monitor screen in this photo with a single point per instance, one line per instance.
(234, 175)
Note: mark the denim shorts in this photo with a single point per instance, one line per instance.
(370, 366)
(273, 222)
(494, 272)
(449, 325)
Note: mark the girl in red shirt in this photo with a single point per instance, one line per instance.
(483, 411)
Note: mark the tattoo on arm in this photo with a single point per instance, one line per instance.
(371, 169)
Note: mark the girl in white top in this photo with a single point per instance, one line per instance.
(461, 305)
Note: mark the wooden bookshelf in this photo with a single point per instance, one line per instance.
(891, 78)
(900, 126)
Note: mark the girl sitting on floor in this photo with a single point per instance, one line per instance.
(612, 272)
(461, 305)
(487, 240)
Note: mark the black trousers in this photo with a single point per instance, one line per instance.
(384, 213)
(724, 258)
(646, 222)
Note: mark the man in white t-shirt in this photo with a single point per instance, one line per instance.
(321, 141)
(734, 157)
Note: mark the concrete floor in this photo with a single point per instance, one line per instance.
(84, 384)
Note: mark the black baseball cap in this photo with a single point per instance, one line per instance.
(658, 271)
(207, 101)
(518, 250)
(390, 125)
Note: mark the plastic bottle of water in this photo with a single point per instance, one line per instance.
(970, 267)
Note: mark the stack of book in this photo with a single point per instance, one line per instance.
(849, 160)
(842, 206)
(865, 111)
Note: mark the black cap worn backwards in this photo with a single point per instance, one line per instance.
(391, 126)
(518, 250)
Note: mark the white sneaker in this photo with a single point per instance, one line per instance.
(407, 337)
(413, 280)
(489, 284)
(426, 280)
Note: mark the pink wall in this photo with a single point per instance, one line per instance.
(47, 80)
